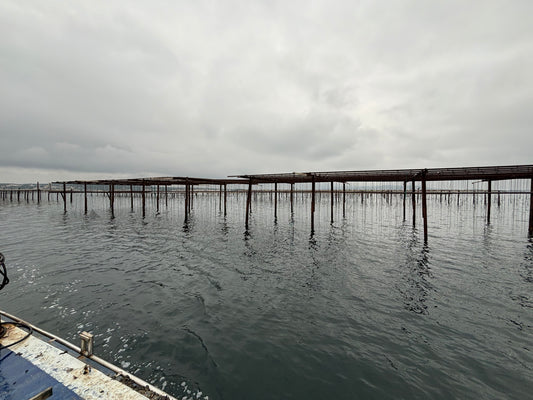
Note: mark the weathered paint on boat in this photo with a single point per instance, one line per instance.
(36, 364)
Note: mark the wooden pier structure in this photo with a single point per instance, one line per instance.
(485, 174)
(409, 177)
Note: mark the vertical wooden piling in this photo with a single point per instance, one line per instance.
(131, 197)
(424, 206)
(157, 199)
(186, 198)
(144, 198)
(112, 199)
(530, 230)
(191, 195)
(404, 196)
(85, 198)
(38, 194)
(248, 203)
(71, 191)
(275, 201)
(220, 198)
(292, 198)
(225, 199)
(489, 200)
(343, 199)
(413, 200)
(166, 196)
(64, 197)
(331, 201)
(313, 206)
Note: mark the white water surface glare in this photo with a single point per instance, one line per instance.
(362, 309)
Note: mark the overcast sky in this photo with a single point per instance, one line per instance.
(98, 89)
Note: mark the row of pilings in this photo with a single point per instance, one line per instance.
(161, 192)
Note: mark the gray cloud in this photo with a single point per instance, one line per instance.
(210, 89)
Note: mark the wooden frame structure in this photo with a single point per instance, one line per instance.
(488, 174)
(485, 174)
(187, 182)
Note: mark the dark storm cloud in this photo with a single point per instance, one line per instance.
(203, 88)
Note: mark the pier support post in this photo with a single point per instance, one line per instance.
(112, 199)
(85, 198)
(313, 206)
(144, 198)
(186, 198)
(424, 206)
(292, 198)
(530, 231)
(38, 194)
(157, 199)
(413, 200)
(64, 194)
(131, 197)
(404, 196)
(248, 203)
(225, 198)
(275, 201)
(489, 200)
(219, 197)
(343, 199)
(331, 201)
(191, 201)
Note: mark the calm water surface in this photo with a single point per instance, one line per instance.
(361, 310)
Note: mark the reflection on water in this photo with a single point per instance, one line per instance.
(416, 272)
(359, 309)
